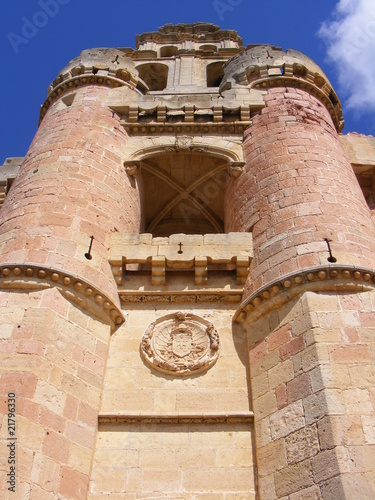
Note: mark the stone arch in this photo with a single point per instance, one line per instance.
(183, 185)
(168, 51)
(214, 74)
(140, 148)
(155, 75)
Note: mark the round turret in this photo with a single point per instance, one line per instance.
(266, 66)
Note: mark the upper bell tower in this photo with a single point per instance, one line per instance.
(190, 57)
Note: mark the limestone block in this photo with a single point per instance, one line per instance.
(294, 478)
(362, 458)
(260, 385)
(272, 457)
(263, 432)
(315, 355)
(359, 148)
(80, 458)
(287, 420)
(302, 444)
(362, 376)
(325, 465)
(265, 363)
(265, 405)
(221, 480)
(267, 487)
(49, 396)
(358, 402)
(107, 481)
(312, 493)
(368, 423)
(281, 373)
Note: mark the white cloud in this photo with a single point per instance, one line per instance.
(350, 39)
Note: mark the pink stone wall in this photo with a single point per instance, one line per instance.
(72, 185)
(297, 189)
(53, 358)
(53, 355)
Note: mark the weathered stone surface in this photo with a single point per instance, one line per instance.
(287, 420)
(302, 444)
(272, 457)
(293, 478)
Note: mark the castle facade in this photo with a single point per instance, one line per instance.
(187, 283)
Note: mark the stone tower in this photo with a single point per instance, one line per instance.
(186, 280)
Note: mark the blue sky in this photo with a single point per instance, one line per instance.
(39, 37)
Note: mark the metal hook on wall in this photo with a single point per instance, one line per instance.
(88, 254)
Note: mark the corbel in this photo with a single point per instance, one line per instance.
(132, 168)
(218, 113)
(158, 270)
(161, 115)
(133, 114)
(245, 113)
(200, 270)
(242, 269)
(189, 114)
(236, 168)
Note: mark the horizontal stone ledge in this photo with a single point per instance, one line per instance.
(198, 296)
(74, 82)
(214, 418)
(236, 127)
(332, 278)
(73, 288)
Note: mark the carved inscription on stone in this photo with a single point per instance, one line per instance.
(180, 344)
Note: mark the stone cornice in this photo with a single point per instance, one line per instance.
(89, 76)
(334, 278)
(223, 128)
(178, 297)
(214, 418)
(200, 32)
(75, 289)
(233, 118)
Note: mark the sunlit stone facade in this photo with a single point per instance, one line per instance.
(187, 281)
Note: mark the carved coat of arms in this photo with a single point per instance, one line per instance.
(180, 344)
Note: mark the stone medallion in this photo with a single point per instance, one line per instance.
(180, 344)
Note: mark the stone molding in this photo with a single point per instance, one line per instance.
(230, 128)
(139, 149)
(86, 76)
(193, 297)
(186, 118)
(73, 288)
(333, 278)
(214, 418)
(200, 32)
(180, 344)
